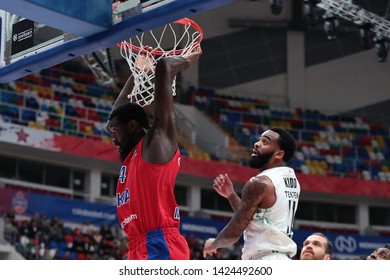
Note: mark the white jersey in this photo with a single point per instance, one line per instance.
(270, 230)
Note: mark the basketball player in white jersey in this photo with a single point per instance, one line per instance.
(265, 212)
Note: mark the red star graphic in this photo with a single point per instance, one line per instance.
(22, 136)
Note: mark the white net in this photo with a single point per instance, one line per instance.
(142, 53)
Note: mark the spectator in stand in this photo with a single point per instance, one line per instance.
(87, 228)
(44, 235)
(105, 232)
(11, 229)
(33, 228)
(97, 237)
(56, 231)
(317, 247)
(45, 222)
(117, 232)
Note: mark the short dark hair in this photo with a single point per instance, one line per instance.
(130, 111)
(286, 142)
(329, 245)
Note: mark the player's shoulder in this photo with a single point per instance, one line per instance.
(260, 181)
(259, 186)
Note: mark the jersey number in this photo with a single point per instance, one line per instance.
(122, 174)
(292, 208)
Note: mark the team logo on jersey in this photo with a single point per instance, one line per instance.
(122, 198)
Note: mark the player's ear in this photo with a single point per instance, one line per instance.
(133, 125)
(279, 154)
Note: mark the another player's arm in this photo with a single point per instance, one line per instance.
(252, 195)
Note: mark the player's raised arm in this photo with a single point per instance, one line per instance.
(126, 90)
(166, 70)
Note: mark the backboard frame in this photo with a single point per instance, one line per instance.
(151, 17)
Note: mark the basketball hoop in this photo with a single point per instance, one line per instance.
(142, 53)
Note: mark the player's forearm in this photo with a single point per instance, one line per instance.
(228, 236)
(234, 229)
(234, 201)
(175, 65)
(179, 64)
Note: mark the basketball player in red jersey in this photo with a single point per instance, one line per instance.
(146, 206)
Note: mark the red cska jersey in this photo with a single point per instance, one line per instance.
(144, 194)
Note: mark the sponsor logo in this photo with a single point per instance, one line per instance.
(19, 203)
(93, 214)
(26, 34)
(345, 244)
(122, 198)
(199, 228)
(128, 220)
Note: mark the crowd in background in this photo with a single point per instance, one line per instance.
(43, 238)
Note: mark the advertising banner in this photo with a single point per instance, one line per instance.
(69, 210)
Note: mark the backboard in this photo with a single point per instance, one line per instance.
(35, 34)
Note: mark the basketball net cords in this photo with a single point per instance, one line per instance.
(143, 91)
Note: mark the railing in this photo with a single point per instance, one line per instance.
(56, 191)
(185, 125)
